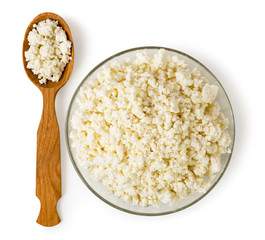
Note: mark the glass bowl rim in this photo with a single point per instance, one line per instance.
(71, 155)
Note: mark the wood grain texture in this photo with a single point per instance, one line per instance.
(48, 164)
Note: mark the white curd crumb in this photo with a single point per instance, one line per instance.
(49, 51)
(150, 130)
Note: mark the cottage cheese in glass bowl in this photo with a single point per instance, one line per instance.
(150, 131)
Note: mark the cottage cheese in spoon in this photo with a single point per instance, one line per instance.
(49, 51)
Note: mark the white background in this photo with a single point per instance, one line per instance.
(226, 36)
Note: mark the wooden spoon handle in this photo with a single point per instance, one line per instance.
(48, 172)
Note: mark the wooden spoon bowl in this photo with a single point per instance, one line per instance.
(68, 69)
(48, 164)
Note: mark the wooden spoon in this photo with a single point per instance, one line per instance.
(48, 165)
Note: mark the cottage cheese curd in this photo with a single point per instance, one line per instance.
(49, 51)
(150, 130)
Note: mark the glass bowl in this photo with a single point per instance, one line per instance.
(98, 188)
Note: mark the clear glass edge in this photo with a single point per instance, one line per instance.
(71, 155)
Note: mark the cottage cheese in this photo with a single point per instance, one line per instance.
(150, 130)
(49, 51)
